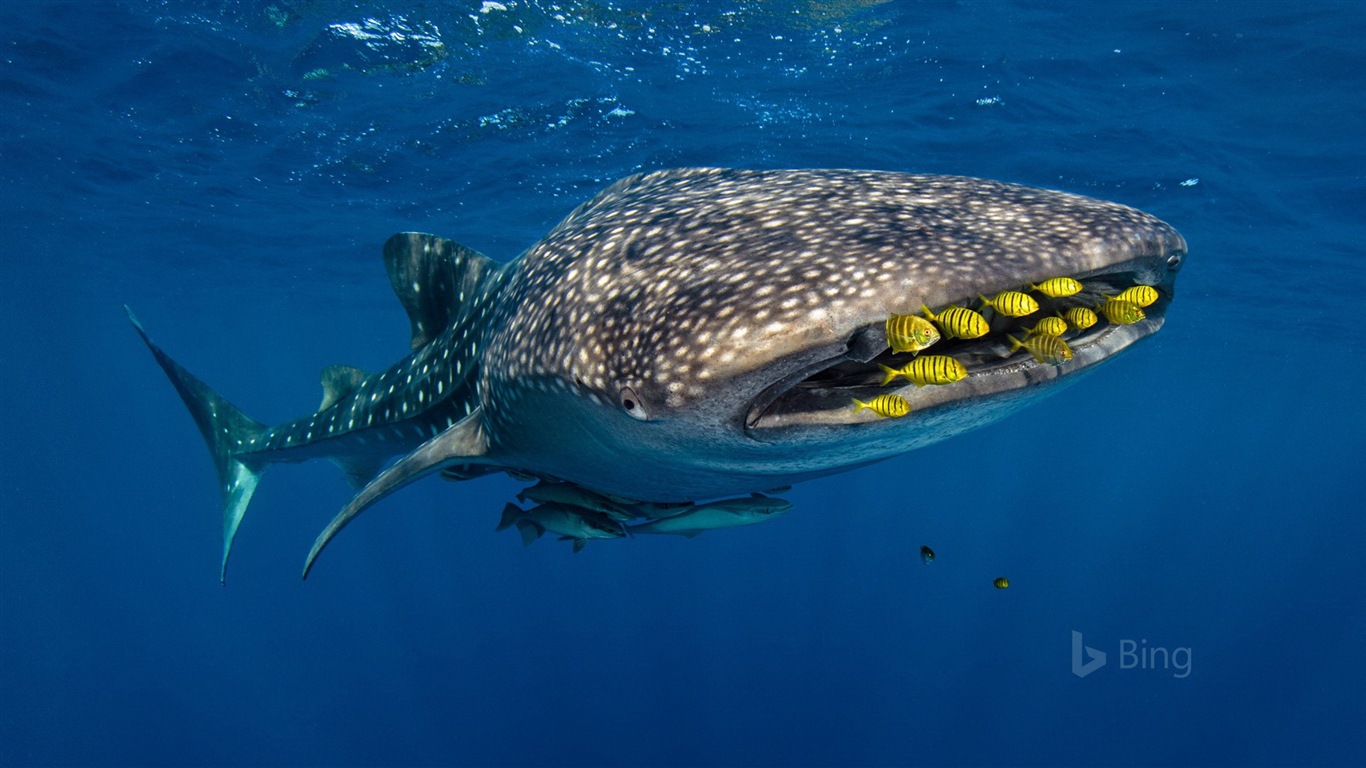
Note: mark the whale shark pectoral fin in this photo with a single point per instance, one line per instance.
(463, 443)
(434, 279)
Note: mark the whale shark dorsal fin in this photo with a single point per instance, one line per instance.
(338, 382)
(433, 278)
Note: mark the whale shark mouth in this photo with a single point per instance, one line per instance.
(823, 393)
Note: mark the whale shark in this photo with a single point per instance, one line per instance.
(699, 333)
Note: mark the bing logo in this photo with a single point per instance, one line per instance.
(1132, 655)
(1094, 659)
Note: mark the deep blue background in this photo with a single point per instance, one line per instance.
(231, 174)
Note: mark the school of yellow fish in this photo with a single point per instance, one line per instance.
(913, 334)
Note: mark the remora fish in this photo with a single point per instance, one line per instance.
(697, 333)
(727, 513)
(575, 496)
(573, 523)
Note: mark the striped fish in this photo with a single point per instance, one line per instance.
(886, 406)
(927, 369)
(1058, 287)
(1121, 312)
(1011, 303)
(1080, 318)
(910, 333)
(1142, 295)
(1049, 326)
(1045, 349)
(959, 322)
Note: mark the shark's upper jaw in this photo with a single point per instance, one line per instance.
(818, 393)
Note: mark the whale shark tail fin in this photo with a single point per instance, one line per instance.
(229, 434)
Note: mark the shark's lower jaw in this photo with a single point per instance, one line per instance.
(822, 394)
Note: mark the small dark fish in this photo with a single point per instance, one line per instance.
(1001, 582)
(926, 555)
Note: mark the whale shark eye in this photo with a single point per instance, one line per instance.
(630, 402)
(1174, 260)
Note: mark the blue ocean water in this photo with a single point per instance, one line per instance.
(230, 171)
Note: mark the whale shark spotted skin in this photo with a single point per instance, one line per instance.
(698, 333)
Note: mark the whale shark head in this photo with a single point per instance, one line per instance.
(700, 332)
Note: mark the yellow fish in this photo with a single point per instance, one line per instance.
(1001, 582)
(927, 369)
(1045, 349)
(910, 333)
(1080, 318)
(1011, 303)
(886, 406)
(1058, 287)
(959, 322)
(1142, 295)
(1121, 312)
(1049, 326)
